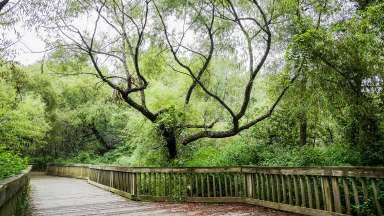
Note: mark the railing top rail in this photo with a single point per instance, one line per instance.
(69, 165)
(346, 171)
(14, 178)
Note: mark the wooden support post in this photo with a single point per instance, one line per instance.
(355, 194)
(283, 183)
(347, 196)
(273, 188)
(220, 186)
(249, 185)
(309, 191)
(327, 194)
(230, 185)
(236, 182)
(214, 185)
(202, 185)
(296, 188)
(263, 197)
(336, 194)
(278, 188)
(365, 188)
(379, 211)
(302, 192)
(290, 196)
(258, 193)
(197, 185)
(134, 184)
(226, 185)
(317, 193)
(208, 187)
(111, 179)
(268, 187)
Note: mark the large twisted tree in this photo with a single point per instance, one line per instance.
(189, 36)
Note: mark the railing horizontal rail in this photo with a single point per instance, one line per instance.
(307, 190)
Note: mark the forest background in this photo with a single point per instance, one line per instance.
(194, 83)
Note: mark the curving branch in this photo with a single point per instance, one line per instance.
(3, 4)
(87, 45)
(188, 69)
(235, 131)
(209, 29)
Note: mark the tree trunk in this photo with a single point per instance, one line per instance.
(303, 129)
(105, 145)
(169, 136)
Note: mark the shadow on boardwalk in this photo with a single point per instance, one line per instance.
(67, 196)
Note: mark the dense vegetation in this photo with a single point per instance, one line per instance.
(197, 83)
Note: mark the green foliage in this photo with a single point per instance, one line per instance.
(171, 118)
(11, 164)
(60, 111)
(22, 112)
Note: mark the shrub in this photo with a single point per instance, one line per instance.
(11, 164)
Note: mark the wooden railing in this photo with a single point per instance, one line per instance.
(309, 191)
(12, 192)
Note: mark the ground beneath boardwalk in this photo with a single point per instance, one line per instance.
(74, 197)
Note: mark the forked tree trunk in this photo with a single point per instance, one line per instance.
(169, 136)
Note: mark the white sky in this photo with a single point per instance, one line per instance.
(30, 47)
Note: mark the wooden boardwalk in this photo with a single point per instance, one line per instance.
(67, 196)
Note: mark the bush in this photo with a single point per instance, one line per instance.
(11, 164)
(239, 152)
(296, 156)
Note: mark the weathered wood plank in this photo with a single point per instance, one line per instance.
(208, 187)
(273, 187)
(336, 194)
(355, 194)
(214, 186)
(309, 192)
(236, 184)
(363, 182)
(268, 188)
(327, 194)
(347, 196)
(262, 180)
(278, 188)
(258, 186)
(283, 183)
(302, 192)
(202, 185)
(379, 210)
(290, 190)
(296, 188)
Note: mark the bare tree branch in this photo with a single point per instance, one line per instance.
(3, 4)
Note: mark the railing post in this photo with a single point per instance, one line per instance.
(327, 194)
(249, 182)
(111, 179)
(376, 199)
(134, 184)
